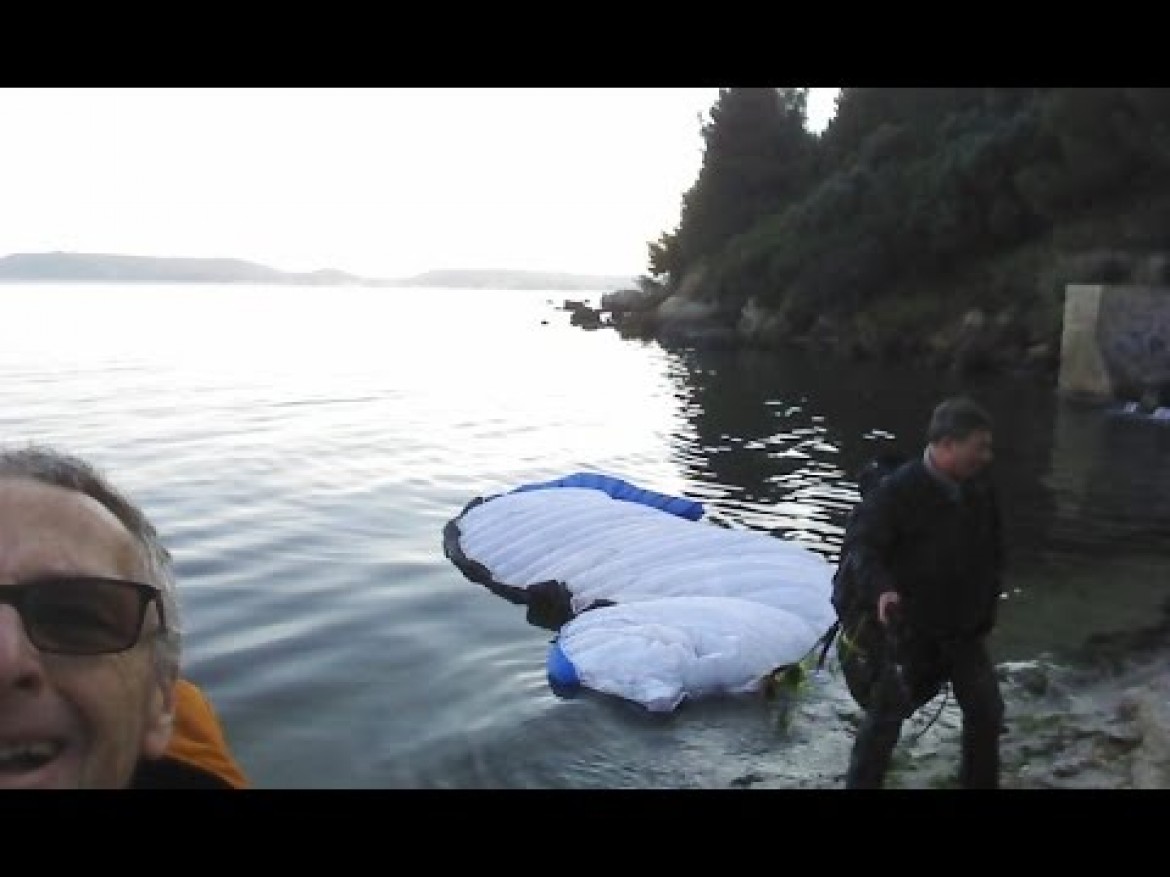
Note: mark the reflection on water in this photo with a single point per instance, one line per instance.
(783, 435)
(1086, 497)
(301, 450)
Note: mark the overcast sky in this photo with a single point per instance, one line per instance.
(378, 182)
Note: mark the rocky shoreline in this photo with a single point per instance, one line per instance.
(1066, 729)
(972, 341)
(1096, 720)
(976, 327)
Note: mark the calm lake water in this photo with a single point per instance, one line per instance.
(301, 450)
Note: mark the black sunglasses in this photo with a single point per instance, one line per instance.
(82, 615)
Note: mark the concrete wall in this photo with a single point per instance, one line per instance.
(1116, 343)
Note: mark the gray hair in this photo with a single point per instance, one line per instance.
(58, 469)
(957, 418)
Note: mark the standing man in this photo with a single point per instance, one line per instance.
(91, 694)
(927, 553)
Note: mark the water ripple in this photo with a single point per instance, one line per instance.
(301, 450)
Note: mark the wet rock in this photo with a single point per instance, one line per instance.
(1066, 768)
(846, 714)
(585, 317)
(1151, 768)
(1030, 677)
(1129, 705)
(747, 780)
(1121, 740)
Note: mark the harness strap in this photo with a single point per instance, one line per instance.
(827, 640)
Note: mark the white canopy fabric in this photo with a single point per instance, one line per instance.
(699, 609)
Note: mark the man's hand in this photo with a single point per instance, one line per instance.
(887, 600)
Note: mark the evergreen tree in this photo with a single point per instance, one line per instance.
(756, 160)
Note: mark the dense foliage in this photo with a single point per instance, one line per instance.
(962, 196)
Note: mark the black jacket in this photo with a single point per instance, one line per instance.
(942, 554)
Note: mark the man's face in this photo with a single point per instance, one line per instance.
(71, 721)
(968, 457)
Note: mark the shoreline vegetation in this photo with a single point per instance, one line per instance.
(938, 226)
(60, 267)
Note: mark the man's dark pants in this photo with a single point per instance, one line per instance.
(927, 665)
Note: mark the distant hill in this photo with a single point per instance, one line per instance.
(104, 268)
(59, 267)
(518, 280)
